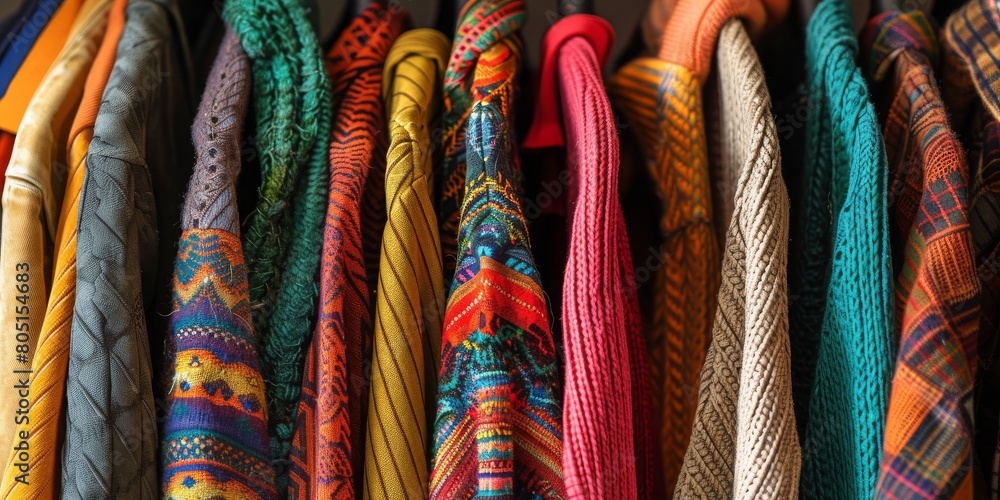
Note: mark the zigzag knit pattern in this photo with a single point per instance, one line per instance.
(498, 431)
(215, 441)
(328, 448)
(481, 25)
(292, 111)
(662, 103)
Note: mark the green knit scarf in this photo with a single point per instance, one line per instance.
(292, 102)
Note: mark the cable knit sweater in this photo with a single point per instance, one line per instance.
(743, 443)
(840, 274)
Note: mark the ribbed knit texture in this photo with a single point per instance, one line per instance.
(481, 25)
(410, 298)
(662, 103)
(46, 401)
(607, 418)
(32, 197)
(498, 431)
(215, 440)
(927, 451)
(744, 443)
(291, 93)
(328, 452)
(128, 228)
(840, 275)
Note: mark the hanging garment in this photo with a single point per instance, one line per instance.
(32, 195)
(126, 243)
(927, 450)
(328, 448)
(409, 306)
(33, 466)
(498, 430)
(662, 104)
(609, 442)
(840, 284)
(282, 244)
(481, 24)
(744, 443)
(28, 74)
(972, 100)
(215, 442)
(19, 34)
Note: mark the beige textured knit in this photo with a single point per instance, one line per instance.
(744, 443)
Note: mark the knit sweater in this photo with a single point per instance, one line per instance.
(744, 443)
(610, 448)
(328, 449)
(498, 430)
(292, 112)
(137, 163)
(840, 275)
(215, 440)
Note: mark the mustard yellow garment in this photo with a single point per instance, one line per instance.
(410, 295)
(48, 378)
(32, 196)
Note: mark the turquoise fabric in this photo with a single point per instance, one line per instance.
(840, 276)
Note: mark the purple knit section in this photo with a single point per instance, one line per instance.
(217, 131)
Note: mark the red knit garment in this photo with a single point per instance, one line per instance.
(610, 444)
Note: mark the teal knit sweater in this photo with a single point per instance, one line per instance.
(840, 274)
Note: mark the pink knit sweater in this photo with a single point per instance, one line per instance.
(609, 444)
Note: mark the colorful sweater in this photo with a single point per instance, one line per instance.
(498, 430)
(215, 440)
(328, 448)
(927, 451)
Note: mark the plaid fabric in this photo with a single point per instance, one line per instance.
(927, 452)
(970, 37)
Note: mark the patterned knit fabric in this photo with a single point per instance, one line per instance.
(973, 104)
(744, 442)
(498, 431)
(47, 399)
(410, 297)
(328, 449)
(292, 111)
(663, 106)
(840, 274)
(928, 443)
(128, 228)
(603, 332)
(481, 25)
(215, 441)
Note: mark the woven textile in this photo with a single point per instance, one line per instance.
(410, 297)
(927, 450)
(610, 443)
(662, 103)
(498, 431)
(215, 440)
(840, 275)
(328, 449)
(283, 239)
(744, 442)
(481, 25)
(128, 229)
(47, 393)
(970, 35)
(32, 195)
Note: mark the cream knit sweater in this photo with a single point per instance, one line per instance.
(744, 442)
